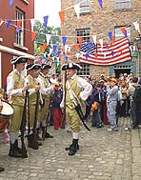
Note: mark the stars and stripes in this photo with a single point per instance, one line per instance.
(114, 53)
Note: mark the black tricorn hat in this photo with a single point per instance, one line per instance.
(21, 59)
(71, 66)
(45, 66)
(32, 66)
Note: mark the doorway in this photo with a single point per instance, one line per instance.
(119, 71)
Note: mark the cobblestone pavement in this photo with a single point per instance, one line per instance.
(102, 156)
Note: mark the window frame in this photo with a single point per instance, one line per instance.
(122, 4)
(121, 35)
(84, 7)
(19, 36)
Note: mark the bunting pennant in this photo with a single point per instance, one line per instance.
(10, 3)
(136, 24)
(110, 34)
(8, 24)
(117, 52)
(45, 21)
(32, 21)
(61, 14)
(64, 39)
(123, 30)
(80, 39)
(19, 23)
(100, 3)
(77, 10)
(48, 37)
(94, 39)
(1, 22)
(33, 35)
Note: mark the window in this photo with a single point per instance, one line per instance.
(122, 4)
(85, 71)
(119, 34)
(20, 32)
(84, 6)
(85, 33)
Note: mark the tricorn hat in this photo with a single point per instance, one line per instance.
(32, 66)
(113, 80)
(21, 59)
(45, 66)
(71, 66)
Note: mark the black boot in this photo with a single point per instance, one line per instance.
(1, 169)
(37, 134)
(32, 141)
(13, 152)
(73, 147)
(16, 146)
(45, 134)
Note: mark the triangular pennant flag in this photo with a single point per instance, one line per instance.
(113, 38)
(44, 46)
(110, 34)
(33, 35)
(18, 30)
(64, 39)
(45, 21)
(126, 33)
(94, 39)
(48, 37)
(8, 24)
(54, 48)
(100, 3)
(136, 24)
(101, 43)
(76, 47)
(80, 39)
(89, 45)
(10, 3)
(123, 30)
(59, 52)
(61, 14)
(77, 10)
(32, 21)
(18, 24)
(1, 22)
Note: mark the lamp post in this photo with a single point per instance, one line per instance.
(137, 43)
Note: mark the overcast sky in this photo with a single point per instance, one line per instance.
(48, 7)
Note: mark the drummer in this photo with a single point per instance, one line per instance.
(15, 91)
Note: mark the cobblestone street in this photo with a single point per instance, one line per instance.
(102, 156)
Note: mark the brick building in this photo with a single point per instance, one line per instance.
(99, 21)
(12, 43)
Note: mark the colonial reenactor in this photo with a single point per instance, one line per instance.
(15, 91)
(33, 106)
(46, 90)
(77, 91)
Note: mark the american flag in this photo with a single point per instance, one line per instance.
(114, 53)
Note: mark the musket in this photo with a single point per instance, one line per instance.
(22, 128)
(77, 105)
(62, 124)
(35, 143)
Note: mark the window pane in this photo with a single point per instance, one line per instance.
(122, 4)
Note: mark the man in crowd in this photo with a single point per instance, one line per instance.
(46, 90)
(77, 90)
(33, 103)
(15, 91)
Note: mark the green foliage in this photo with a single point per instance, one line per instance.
(41, 37)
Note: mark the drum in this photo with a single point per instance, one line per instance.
(5, 114)
(7, 110)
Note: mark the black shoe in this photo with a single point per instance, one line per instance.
(72, 150)
(1, 169)
(68, 148)
(48, 135)
(13, 152)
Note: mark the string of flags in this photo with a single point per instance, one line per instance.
(66, 48)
